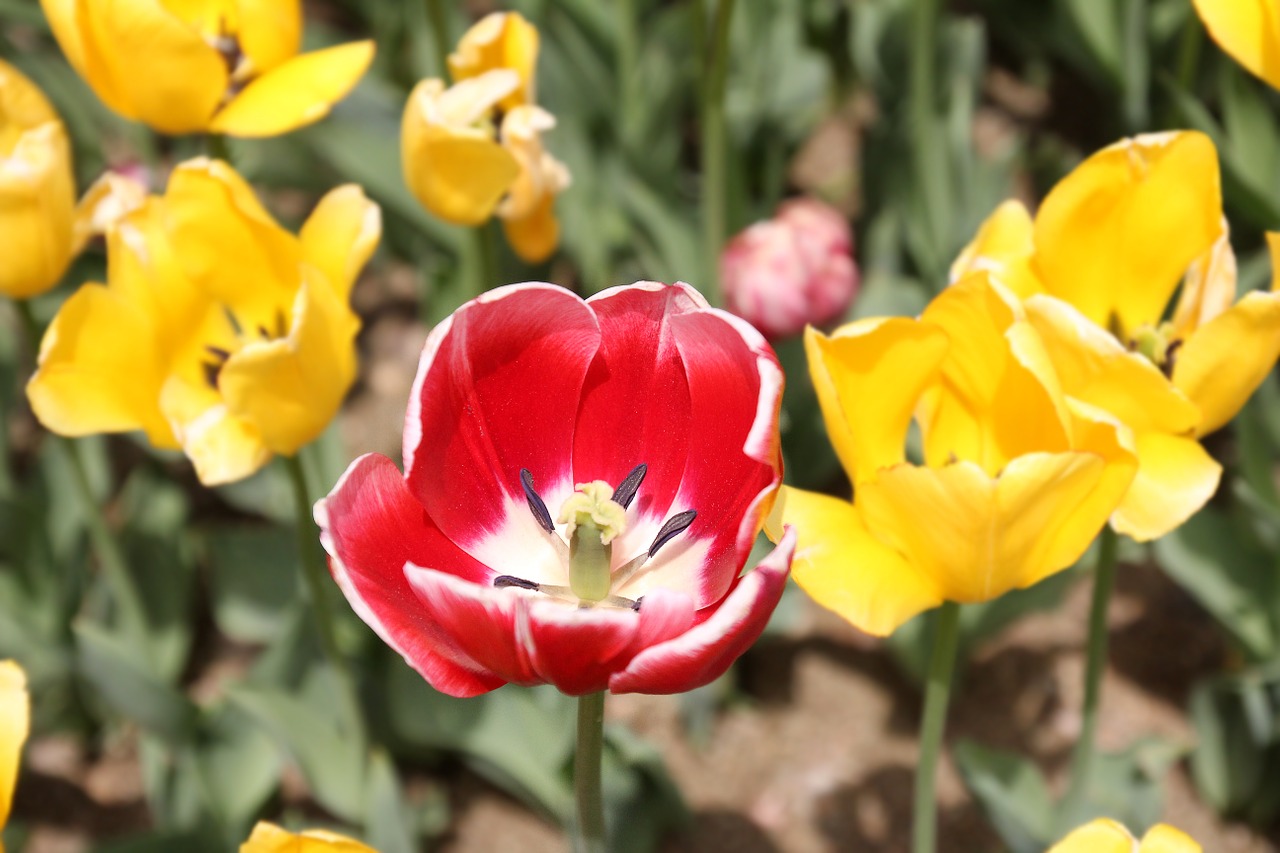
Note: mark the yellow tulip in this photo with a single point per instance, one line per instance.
(269, 838)
(37, 189)
(1097, 268)
(1017, 478)
(15, 725)
(1107, 836)
(499, 40)
(205, 65)
(1248, 30)
(230, 361)
(465, 170)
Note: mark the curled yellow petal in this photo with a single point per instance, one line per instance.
(1248, 30)
(847, 570)
(340, 235)
(1163, 838)
(269, 838)
(535, 236)
(269, 32)
(300, 91)
(868, 377)
(112, 197)
(15, 725)
(1115, 236)
(37, 199)
(1208, 289)
(1003, 247)
(222, 447)
(1221, 364)
(1175, 478)
(1100, 836)
(499, 40)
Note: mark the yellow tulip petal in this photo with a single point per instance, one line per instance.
(977, 536)
(868, 377)
(1095, 368)
(1115, 236)
(15, 725)
(269, 838)
(212, 216)
(1248, 30)
(111, 197)
(1163, 838)
(1221, 364)
(340, 235)
(223, 448)
(296, 93)
(1208, 289)
(1003, 247)
(1175, 478)
(269, 32)
(37, 199)
(1100, 836)
(61, 16)
(499, 40)
(98, 370)
(845, 569)
(289, 389)
(535, 236)
(22, 105)
(148, 64)
(997, 397)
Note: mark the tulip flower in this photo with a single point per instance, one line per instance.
(231, 362)
(269, 838)
(1248, 30)
(205, 66)
(37, 189)
(1017, 478)
(790, 271)
(1107, 836)
(499, 40)
(15, 724)
(583, 484)
(1098, 266)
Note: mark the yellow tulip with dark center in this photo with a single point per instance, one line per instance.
(230, 361)
(1017, 478)
(217, 66)
(1098, 267)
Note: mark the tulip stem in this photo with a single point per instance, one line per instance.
(483, 266)
(589, 836)
(1104, 581)
(714, 180)
(440, 32)
(628, 59)
(313, 565)
(937, 693)
(106, 547)
(217, 148)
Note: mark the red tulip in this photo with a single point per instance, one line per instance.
(583, 484)
(793, 270)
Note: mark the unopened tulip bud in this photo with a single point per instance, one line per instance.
(791, 271)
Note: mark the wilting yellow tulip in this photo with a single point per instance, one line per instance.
(1107, 836)
(1017, 478)
(218, 331)
(205, 65)
(269, 838)
(1249, 30)
(37, 189)
(15, 724)
(1097, 268)
(499, 40)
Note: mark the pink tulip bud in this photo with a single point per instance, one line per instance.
(792, 270)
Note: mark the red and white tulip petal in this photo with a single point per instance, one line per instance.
(497, 391)
(704, 652)
(372, 526)
(577, 650)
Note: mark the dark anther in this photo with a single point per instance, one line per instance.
(211, 372)
(626, 491)
(218, 352)
(231, 318)
(536, 506)
(675, 525)
(1170, 358)
(263, 333)
(635, 605)
(282, 324)
(502, 581)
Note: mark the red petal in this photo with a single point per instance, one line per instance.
(704, 652)
(487, 625)
(577, 650)
(497, 390)
(371, 526)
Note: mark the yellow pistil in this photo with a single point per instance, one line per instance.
(1156, 343)
(593, 521)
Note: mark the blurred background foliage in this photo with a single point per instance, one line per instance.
(914, 117)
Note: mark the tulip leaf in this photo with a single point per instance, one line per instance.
(253, 578)
(388, 818)
(1236, 760)
(237, 766)
(1012, 792)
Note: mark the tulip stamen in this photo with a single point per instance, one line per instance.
(626, 491)
(537, 505)
(673, 527)
(504, 581)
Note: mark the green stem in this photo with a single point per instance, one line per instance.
(628, 57)
(714, 180)
(929, 152)
(315, 572)
(217, 148)
(484, 274)
(589, 834)
(937, 693)
(440, 32)
(106, 547)
(1104, 581)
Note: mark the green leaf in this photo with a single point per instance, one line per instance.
(389, 820)
(239, 769)
(127, 686)
(1236, 760)
(1012, 793)
(253, 579)
(642, 804)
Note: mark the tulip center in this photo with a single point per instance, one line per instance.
(1158, 344)
(594, 516)
(217, 355)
